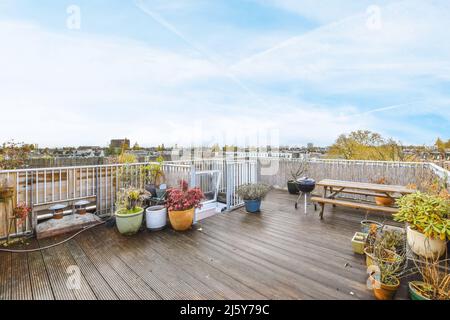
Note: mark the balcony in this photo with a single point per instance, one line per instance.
(281, 253)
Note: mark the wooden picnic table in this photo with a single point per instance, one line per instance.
(333, 188)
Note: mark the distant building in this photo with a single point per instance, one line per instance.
(120, 143)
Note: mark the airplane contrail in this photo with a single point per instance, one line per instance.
(208, 56)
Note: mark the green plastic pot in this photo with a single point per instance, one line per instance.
(129, 224)
(414, 294)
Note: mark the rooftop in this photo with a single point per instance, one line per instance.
(280, 254)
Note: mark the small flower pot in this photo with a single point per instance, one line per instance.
(58, 215)
(182, 220)
(156, 218)
(414, 293)
(253, 206)
(384, 201)
(81, 211)
(129, 224)
(424, 246)
(365, 225)
(358, 242)
(383, 291)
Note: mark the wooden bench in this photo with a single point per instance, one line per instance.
(352, 204)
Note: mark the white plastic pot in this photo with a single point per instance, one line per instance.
(156, 218)
(424, 246)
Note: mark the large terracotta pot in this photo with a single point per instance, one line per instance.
(384, 201)
(181, 220)
(383, 291)
(424, 246)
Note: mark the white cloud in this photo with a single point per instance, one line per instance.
(73, 88)
(325, 11)
(348, 56)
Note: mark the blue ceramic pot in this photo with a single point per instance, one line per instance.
(253, 206)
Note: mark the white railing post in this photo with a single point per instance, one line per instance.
(193, 177)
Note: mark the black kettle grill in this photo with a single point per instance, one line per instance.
(305, 185)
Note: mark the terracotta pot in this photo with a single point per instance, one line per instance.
(424, 246)
(58, 215)
(181, 220)
(383, 291)
(384, 201)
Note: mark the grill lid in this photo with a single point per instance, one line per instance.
(305, 181)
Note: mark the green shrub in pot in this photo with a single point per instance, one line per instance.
(428, 219)
(253, 194)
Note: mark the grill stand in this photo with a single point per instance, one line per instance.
(305, 196)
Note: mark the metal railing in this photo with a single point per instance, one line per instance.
(40, 188)
(276, 172)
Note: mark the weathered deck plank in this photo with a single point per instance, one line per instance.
(278, 254)
(40, 282)
(5, 276)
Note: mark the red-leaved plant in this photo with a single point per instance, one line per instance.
(183, 198)
(21, 213)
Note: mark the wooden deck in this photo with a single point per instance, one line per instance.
(279, 254)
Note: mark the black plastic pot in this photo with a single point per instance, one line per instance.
(152, 189)
(293, 187)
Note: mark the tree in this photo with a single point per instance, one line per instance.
(14, 155)
(441, 147)
(367, 145)
(136, 147)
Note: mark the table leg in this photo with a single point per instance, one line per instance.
(322, 210)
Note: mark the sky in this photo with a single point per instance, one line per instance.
(201, 72)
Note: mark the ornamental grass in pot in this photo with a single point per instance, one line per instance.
(387, 263)
(253, 194)
(428, 223)
(129, 212)
(434, 280)
(387, 246)
(181, 204)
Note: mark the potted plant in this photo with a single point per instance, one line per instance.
(435, 283)
(156, 218)
(435, 280)
(297, 170)
(380, 200)
(21, 214)
(358, 242)
(129, 213)
(386, 278)
(366, 225)
(428, 219)
(181, 204)
(253, 194)
(386, 258)
(155, 176)
(388, 247)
